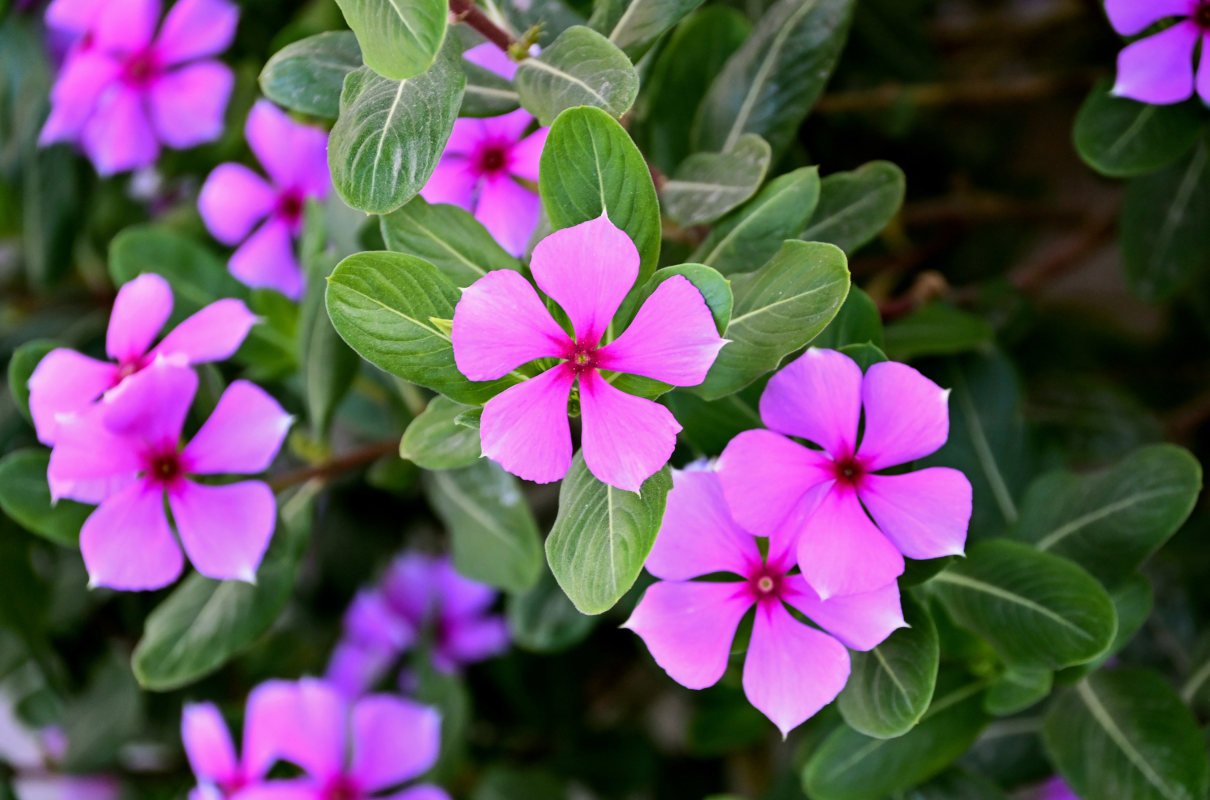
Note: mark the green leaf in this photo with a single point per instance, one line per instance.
(957, 784)
(1132, 599)
(890, 686)
(1037, 610)
(447, 237)
(21, 366)
(769, 84)
(327, 364)
(492, 531)
(708, 426)
(434, 440)
(778, 309)
(1017, 689)
(1122, 138)
(1165, 241)
(857, 323)
(102, 719)
(1125, 733)
(707, 185)
(307, 75)
(602, 535)
(507, 783)
(543, 620)
(399, 38)
(590, 166)
(633, 25)
(487, 94)
(581, 68)
(1112, 520)
(448, 694)
(390, 134)
(383, 305)
(25, 496)
(852, 766)
(936, 330)
(753, 233)
(50, 215)
(855, 206)
(204, 622)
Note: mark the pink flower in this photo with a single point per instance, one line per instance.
(791, 670)
(1053, 789)
(66, 382)
(124, 89)
(125, 455)
(350, 751)
(772, 480)
(1159, 68)
(234, 199)
(501, 323)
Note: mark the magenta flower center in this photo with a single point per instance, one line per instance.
(582, 359)
(126, 369)
(1201, 16)
(766, 582)
(341, 787)
(290, 207)
(232, 785)
(141, 68)
(848, 470)
(492, 159)
(165, 467)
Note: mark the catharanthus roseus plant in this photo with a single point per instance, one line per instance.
(1160, 67)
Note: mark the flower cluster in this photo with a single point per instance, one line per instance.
(421, 601)
(1159, 68)
(346, 750)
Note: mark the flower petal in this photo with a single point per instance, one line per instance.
(118, 135)
(196, 28)
(509, 211)
(354, 669)
(1129, 17)
(292, 789)
(906, 416)
(816, 396)
(1159, 68)
(139, 312)
(841, 552)
(393, 740)
(689, 627)
(294, 155)
(208, 743)
(83, 78)
(233, 199)
(925, 513)
(311, 730)
(507, 128)
(267, 260)
(792, 670)
(1203, 70)
(455, 595)
(626, 439)
(212, 334)
(698, 535)
(126, 542)
(187, 104)
(861, 621)
(524, 155)
(269, 723)
(90, 462)
(468, 640)
(499, 324)
(766, 476)
(65, 382)
(525, 430)
(587, 269)
(76, 16)
(453, 181)
(126, 27)
(370, 621)
(410, 587)
(672, 339)
(151, 404)
(225, 529)
(490, 57)
(242, 436)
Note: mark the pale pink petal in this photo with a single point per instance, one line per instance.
(393, 740)
(1129, 17)
(65, 382)
(925, 513)
(509, 211)
(242, 436)
(89, 462)
(816, 396)
(233, 199)
(151, 404)
(524, 156)
(765, 476)
(499, 324)
(126, 27)
(208, 743)
(469, 640)
(455, 595)
(421, 792)
(1203, 70)
(267, 260)
(861, 621)
(139, 312)
(672, 339)
(689, 626)
(212, 334)
(84, 77)
(196, 28)
(73, 15)
(698, 535)
(453, 182)
(506, 128)
(841, 552)
(118, 135)
(525, 430)
(293, 154)
(1158, 69)
(355, 668)
(312, 730)
(410, 587)
(491, 57)
(269, 723)
(224, 529)
(587, 269)
(625, 439)
(906, 416)
(126, 542)
(792, 670)
(187, 104)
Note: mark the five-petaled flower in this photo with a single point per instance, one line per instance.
(125, 89)
(66, 382)
(772, 480)
(500, 323)
(124, 453)
(791, 669)
(234, 199)
(1159, 68)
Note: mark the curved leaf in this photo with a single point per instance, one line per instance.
(435, 440)
(707, 185)
(307, 75)
(1121, 138)
(855, 206)
(447, 237)
(25, 496)
(399, 38)
(581, 68)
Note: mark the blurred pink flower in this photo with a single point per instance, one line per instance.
(1159, 68)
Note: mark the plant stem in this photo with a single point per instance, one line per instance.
(336, 466)
(468, 12)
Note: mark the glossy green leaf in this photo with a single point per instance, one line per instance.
(398, 38)
(21, 366)
(602, 535)
(855, 206)
(307, 75)
(1121, 138)
(708, 185)
(1016, 689)
(1133, 600)
(434, 440)
(581, 68)
(543, 620)
(487, 94)
(25, 496)
(446, 236)
(633, 25)
(936, 330)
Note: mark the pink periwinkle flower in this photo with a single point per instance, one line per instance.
(125, 89)
(1159, 68)
(234, 199)
(125, 455)
(1054, 789)
(791, 670)
(501, 323)
(771, 480)
(66, 382)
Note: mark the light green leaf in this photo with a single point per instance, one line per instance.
(434, 439)
(855, 206)
(581, 68)
(544, 620)
(633, 25)
(1121, 138)
(399, 38)
(25, 496)
(307, 75)
(447, 237)
(707, 185)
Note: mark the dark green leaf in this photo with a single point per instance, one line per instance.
(21, 366)
(49, 219)
(307, 75)
(633, 25)
(487, 94)
(399, 38)
(25, 496)
(327, 364)
(1121, 138)
(936, 330)
(99, 721)
(707, 185)
(434, 440)
(447, 237)
(857, 322)
(581, 68)
(957, 784)
(543, 620)
(505, 783)
(1017, 689)
(855, 206)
